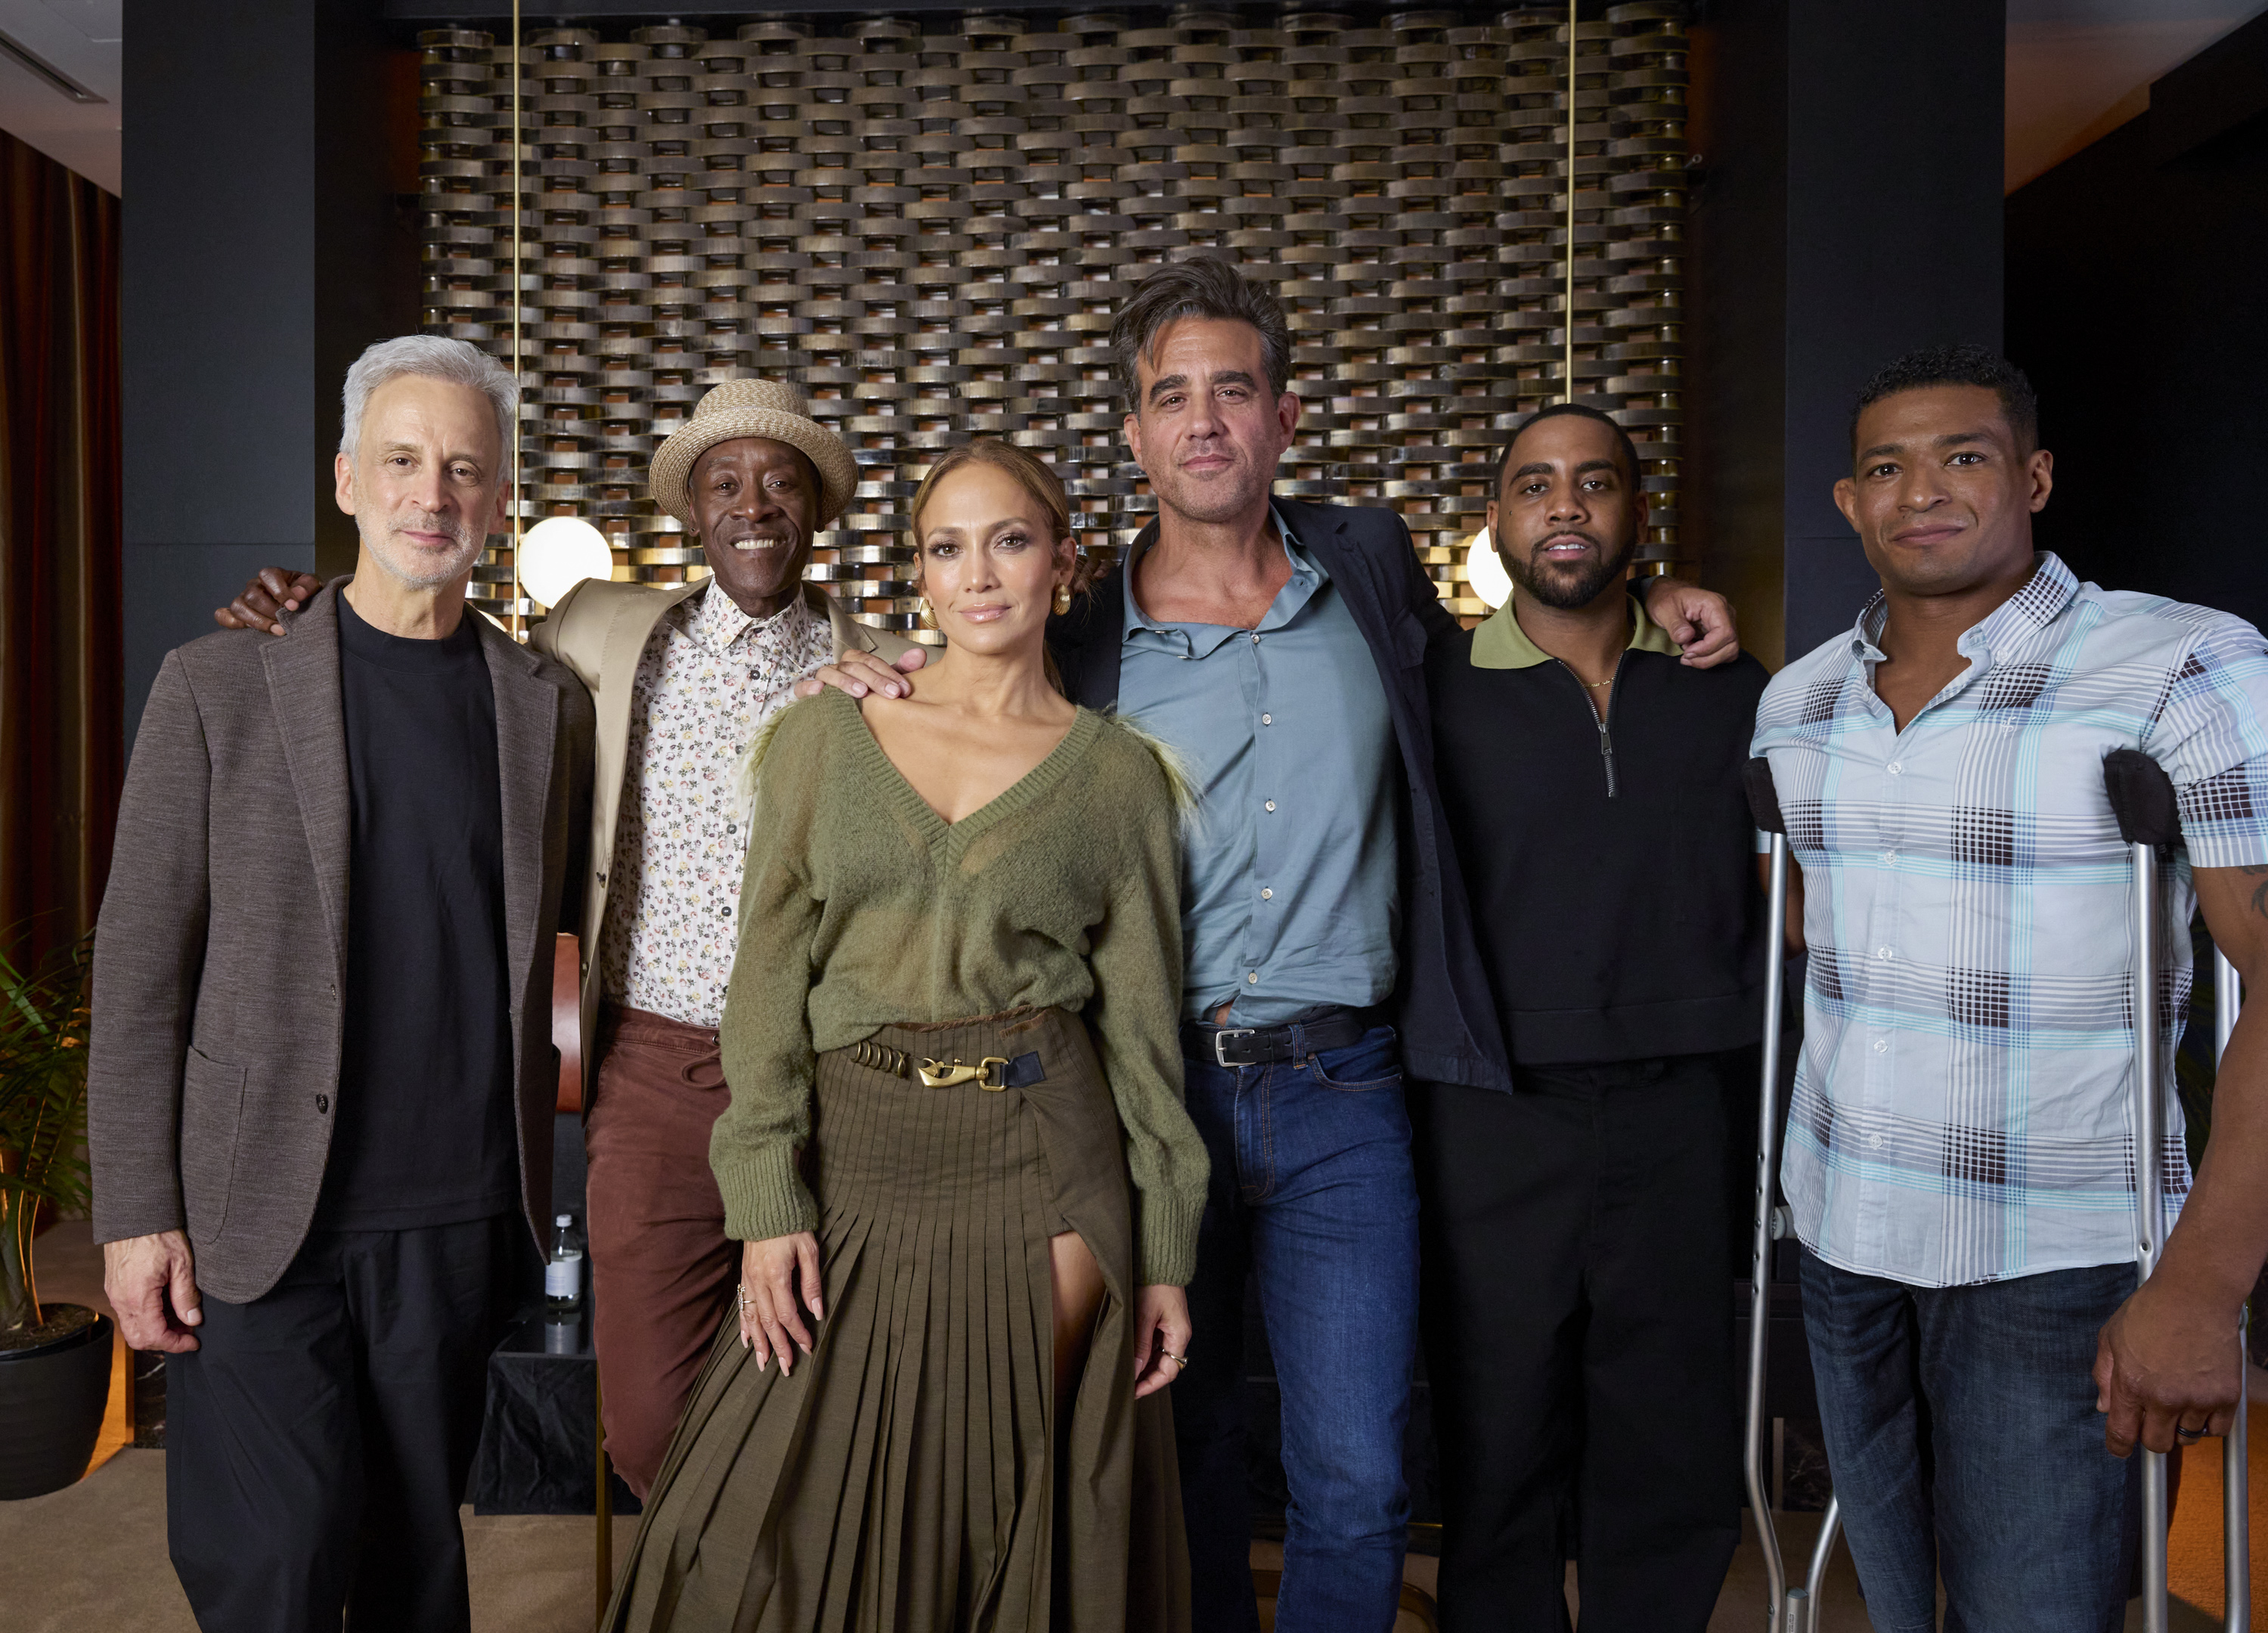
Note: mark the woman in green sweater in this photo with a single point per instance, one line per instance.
(955, 1151)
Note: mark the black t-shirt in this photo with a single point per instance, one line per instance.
(426, 1131)
(1613, 927)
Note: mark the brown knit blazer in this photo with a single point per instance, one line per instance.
(220, 955)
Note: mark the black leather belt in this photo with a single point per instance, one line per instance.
(1263, 1046)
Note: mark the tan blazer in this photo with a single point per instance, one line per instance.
(220, 955)
(598, 629)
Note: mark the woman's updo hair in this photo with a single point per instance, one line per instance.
(1031, 472)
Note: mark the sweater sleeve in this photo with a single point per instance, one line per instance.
(765, 1039)
(1135, 958)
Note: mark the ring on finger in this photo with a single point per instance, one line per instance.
(2187, 1435)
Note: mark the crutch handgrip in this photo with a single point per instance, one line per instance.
(1764, 798)
(2142, 797)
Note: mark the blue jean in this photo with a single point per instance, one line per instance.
(1962, 1438)
(1312, 1194)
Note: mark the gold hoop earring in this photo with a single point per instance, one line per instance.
(926, 613)
(1063, 600)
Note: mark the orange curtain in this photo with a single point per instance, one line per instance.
(61, 756)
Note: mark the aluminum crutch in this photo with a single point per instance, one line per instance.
(1790, 1610)
(2142, 798)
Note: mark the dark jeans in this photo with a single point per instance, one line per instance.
(1311, 1195)
(1579, 1338)
(1963, 1440)
(320, 1436)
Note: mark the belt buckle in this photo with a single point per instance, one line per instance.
(1219, 1042)
(937, 1074)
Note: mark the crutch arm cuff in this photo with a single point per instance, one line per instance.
(1764, 798)
(2142, 797)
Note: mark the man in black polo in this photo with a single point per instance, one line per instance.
(1576, 1261)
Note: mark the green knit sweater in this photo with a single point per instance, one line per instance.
(862, 908)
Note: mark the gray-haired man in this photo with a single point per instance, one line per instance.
(683, 676)
(369, 829)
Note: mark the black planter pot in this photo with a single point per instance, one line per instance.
(51, 1404)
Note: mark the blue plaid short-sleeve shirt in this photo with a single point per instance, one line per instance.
(1963, 1101)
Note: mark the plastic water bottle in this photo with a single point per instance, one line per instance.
(562, 1275)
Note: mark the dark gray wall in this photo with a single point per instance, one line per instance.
(264, 249)
(2137, 304)
(1849, 210)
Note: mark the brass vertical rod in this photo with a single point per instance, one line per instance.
(520, 621)
(1567, 300)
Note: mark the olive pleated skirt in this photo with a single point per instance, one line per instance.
(904, 1479)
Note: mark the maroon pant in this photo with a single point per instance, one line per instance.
(662, 1271)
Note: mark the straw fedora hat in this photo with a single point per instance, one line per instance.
(737, 408)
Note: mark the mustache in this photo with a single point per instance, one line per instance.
(784, 531)
(1591, 539)
(457, 527)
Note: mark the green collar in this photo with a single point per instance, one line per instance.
(1499, 643)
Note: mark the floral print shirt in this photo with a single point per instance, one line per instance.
(710, 678)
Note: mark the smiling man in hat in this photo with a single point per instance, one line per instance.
(684, 676)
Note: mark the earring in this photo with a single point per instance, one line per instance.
(1063, 600)
(926, 613)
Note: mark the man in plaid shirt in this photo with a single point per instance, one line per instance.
(1959, 1148)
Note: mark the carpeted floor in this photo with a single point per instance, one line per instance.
(93, 1557)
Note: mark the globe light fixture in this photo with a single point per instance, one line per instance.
(557, 554)
(1485, 572)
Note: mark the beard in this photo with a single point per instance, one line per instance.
(1577, 584)
(419, 568)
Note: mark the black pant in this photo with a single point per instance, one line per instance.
(1579, 1335)
(320, 1436)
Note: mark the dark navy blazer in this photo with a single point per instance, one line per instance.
(1441, 1004)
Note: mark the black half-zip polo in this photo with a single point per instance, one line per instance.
(1608, 858)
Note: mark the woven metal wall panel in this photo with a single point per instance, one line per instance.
(925, 223)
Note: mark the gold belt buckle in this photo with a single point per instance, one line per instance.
(936, 1074)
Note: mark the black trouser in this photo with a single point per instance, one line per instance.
(320, 1436)
(1579, 1336)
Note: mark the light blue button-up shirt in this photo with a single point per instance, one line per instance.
(1288, 885)
(1963, 1106)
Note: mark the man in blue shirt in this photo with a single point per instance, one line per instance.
(1960, 1148)
(1280, 647)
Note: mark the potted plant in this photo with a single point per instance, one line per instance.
(54, 1358)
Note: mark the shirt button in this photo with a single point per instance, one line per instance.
(728, 827)
(1882, 1046)
(1272, 805)
(1896, 767)
(1875, 1141)
(1266, 894)
(323, 1103)
(1256, 637)
(1267, 719)
(1889, 855)
(1882, 952)
(1252, 978)
(723, 912)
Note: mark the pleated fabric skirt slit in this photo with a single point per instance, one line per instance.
(903, 1480)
